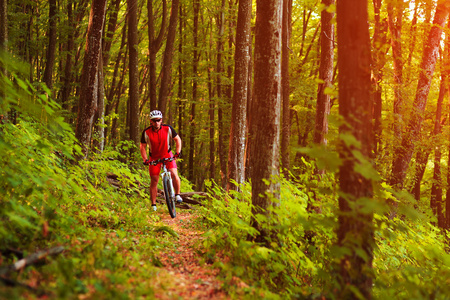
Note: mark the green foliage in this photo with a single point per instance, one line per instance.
(108, 233)
(410, 257)
(290, 266)
(412, 262)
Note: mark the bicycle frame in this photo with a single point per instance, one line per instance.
(169, 193)
(167, 174)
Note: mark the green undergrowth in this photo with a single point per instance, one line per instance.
(110, 237)
(410, 257)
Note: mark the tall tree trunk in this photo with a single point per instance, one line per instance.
(67, 80)
(355, 229)
(395, 18)
(99, 119)
(219, 70)
(89, 78)
(212, 108)
(266, 109)
(238, 130)
(436, 189)
(133, 43)
(194, 91)
(436, 186)
(404, 153)
(168, 58)
(3, 25)
(420, 166)
(447, 70)
(181, 81)
(154, 45)
(116, 82)
(51, 49)
(325, 74)
(285, 88)
(379, 52)
(3, 30)
(111, 29)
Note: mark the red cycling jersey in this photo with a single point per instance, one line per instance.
(159, 141)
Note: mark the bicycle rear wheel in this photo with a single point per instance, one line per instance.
(170, 200)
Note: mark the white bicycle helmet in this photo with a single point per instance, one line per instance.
(155, 114)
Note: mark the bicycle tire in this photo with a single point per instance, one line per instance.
(170, 201)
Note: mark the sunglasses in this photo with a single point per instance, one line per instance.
(156, 120)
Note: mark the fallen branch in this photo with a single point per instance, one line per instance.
(29, 260)
(13, 283)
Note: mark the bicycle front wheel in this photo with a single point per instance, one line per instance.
(170, 200)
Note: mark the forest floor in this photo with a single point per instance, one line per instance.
(184, 275)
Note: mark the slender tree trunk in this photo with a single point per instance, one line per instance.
(168, 58)
(238, 130)
(285, 87)
(109, 34)
(3, 51)
(51, 49)
(181, 81)
(89, 77)
(325, 74)
(212, 108)
(194, 91)
(436, 201)
(3, 30)
(447, 72)
(133, 43)
(404, 153)
(379, 52)
(3, 25)
(154, 45)
(420, 165)
(99, 120)
(266, 110)
(116, 82)
(355, 232)
(219, 70)
(67, 80)
(395, 18)
(436, 187)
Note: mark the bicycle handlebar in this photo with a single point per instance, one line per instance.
(158, 161)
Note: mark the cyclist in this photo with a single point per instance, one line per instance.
(158, 137)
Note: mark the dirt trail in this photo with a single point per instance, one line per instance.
(183, 277)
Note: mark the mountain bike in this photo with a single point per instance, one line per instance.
(169, 192)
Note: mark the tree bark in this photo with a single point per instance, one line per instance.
(325, 74)
(436, 186)
(194, 92)
(3, 39)
(3, 25)
(181, 82)
(89, 78)
(168, 58)
(109, 34)
(285, 88)
(380, 50)
(436, 201)
(99, 119)
(395, 18)
(238, 130)
(154, 45)
(355, 228)
(51, 49)
(404, 153)
(266, 109)
(133, 44)
(220, 46)
(67, 79)
(420, 165)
